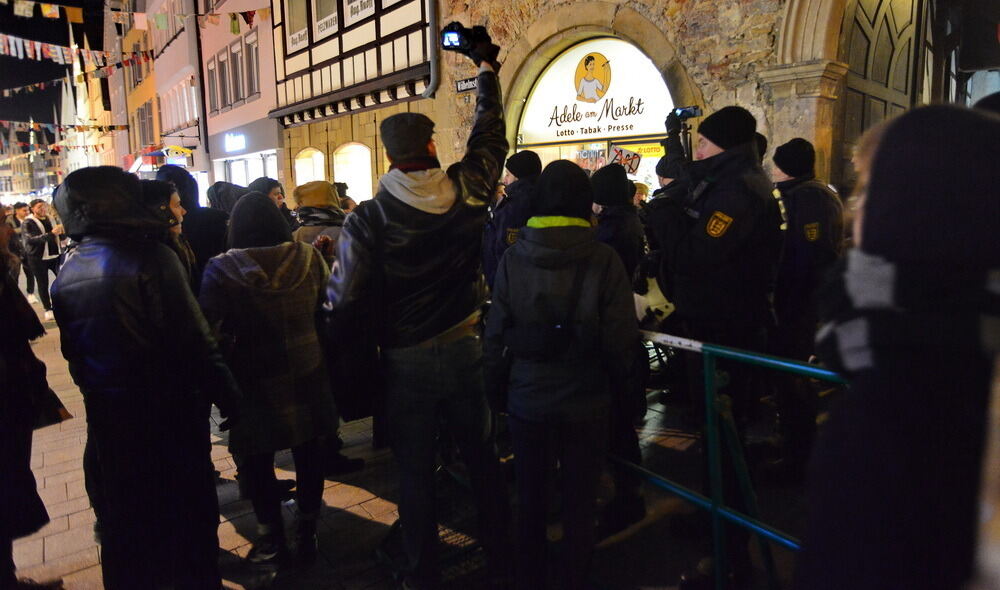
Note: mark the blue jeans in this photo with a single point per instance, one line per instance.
(425, 386)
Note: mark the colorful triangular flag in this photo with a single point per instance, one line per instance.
(50, 10)
(74, 14)
(234, 23)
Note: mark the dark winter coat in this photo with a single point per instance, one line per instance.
(417, 245)
(894, 480)
(22, 376)
(814, 237)
(723, 265)
(204, 228)
(264, 302)
(38, 238)
(619, 227)
(534, 284)
(503, 226)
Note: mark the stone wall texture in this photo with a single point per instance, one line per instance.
(720, 50)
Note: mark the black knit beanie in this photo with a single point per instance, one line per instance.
(524, 164)
(610, 186)
(796, 158)
(989, 103)
(932, 199)
(406, 135)
(668, 167)
(729, 127)
(256, 223)
(563, 189)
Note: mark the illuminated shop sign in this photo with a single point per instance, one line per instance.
(597, 89)
(234, 142)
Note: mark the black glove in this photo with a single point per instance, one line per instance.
(673, 123)
(485, 51)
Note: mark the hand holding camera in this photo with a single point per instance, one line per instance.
(475, 43)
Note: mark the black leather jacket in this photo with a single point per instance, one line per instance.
(130, 327)
(422, 268)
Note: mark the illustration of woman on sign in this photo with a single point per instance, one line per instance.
(590, 89)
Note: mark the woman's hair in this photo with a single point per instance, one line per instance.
(155, 197)
(265, 185)
(34, 202)
(588, 60)
(864, 154)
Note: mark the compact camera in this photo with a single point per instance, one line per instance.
(687, 112)
(456, 37)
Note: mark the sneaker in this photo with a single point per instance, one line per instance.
(306, 545)
(49, 317)
(32, 298)
(269, 550)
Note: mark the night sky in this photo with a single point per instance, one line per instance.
(17, 72)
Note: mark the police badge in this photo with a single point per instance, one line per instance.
(718, 224)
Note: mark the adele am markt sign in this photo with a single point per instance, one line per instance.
(598, 89)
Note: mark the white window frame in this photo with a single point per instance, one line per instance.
(252, 48)
(222, 68)
(213, 87)
(330, 24)
(237, 73)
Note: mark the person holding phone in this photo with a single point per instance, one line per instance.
(43, 246)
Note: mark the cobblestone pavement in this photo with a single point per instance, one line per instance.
(359, 510)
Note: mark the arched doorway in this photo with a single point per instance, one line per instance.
(881, 46)
(597, 102)
(352, 164)
(310, 165)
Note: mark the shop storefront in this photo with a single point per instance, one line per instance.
(244, 153)
(598, 102)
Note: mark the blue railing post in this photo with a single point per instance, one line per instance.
(714, 473)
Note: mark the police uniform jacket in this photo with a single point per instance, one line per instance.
(505, 224)
(721, 248)
(813, 242)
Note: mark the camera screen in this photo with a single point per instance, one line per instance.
(450, 39)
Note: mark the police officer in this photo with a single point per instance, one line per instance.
(813, 243)
(511, 213)
(721, 247)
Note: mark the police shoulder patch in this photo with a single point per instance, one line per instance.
(812, 231)
(511, 237)
(718, 224)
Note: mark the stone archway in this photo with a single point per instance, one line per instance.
(810, 31)
(571, 23)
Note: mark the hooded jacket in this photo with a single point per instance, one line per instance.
(263, 301)
(619, 227)
(317, 221)
(413, 252)
(222, 196)
(204, 228)
(534, 284)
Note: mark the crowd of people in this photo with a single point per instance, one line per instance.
(456, 304)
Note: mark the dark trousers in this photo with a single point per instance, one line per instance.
(160, 514)
(259, 473)
(624, 444)
(425, 386)
(797, 402)
(744, 389)
(29, 279)
(40, 269)
(580, 447)
(21, 509)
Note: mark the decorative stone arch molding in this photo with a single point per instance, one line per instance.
(806, 84)
(557, 30)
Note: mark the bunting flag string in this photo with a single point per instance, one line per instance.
(53, 127)
(14, 46)
(74, 14)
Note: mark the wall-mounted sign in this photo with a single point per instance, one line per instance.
(466, 85)
(235, 142)
(356, 10)
(603, 88)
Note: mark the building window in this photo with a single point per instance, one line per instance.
(223, 69)
(253, 63)
(237, 70)
(326, 19)
(297, 25)
(213, 87)
(352, 164)
(310, 165)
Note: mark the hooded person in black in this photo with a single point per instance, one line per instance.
(148, 367)
(204, 228)
(562, 308)
(222, 196)
(512, 212)
(910, 319)
(618, 222)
